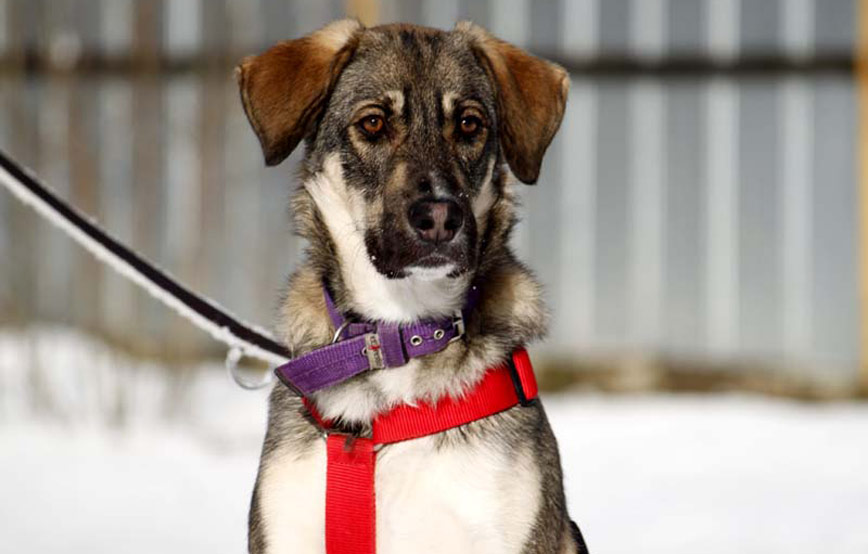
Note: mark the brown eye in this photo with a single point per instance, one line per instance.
(373, 124)
(469, 125)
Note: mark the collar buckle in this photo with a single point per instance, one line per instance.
(373, 350)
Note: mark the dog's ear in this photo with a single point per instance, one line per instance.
(284, 89)
(531, 95)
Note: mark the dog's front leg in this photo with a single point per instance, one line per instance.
(287, 513)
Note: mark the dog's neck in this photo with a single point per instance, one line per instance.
(420, 295)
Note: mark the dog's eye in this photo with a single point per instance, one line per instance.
(373, 125)
(469, 125)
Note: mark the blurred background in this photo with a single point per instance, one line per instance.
(696, 226)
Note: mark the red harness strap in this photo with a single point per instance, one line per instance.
(350, 500)
(350, 497)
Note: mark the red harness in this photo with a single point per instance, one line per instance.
(350, 519)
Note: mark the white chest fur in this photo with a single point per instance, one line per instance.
(467, 498)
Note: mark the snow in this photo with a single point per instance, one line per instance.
(675, 474)
(715, 474)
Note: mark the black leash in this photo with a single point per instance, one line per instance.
(240, 337)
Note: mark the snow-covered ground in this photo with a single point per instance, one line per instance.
(674, 474)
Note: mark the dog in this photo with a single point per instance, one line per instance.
(413, 139)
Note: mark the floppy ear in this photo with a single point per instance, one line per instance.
(531, 95)
(284, 89)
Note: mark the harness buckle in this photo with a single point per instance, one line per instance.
(458, 325)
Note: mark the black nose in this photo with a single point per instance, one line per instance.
(436, 221)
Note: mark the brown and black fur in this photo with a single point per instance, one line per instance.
(309, 90)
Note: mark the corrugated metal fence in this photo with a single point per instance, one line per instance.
(699, 202)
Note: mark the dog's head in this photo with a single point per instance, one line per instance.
(416, 123)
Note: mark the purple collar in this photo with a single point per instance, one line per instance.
(362, 346)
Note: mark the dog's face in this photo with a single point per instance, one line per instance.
(420, 122)
(414, 118)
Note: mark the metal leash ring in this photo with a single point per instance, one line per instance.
(233, 356)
